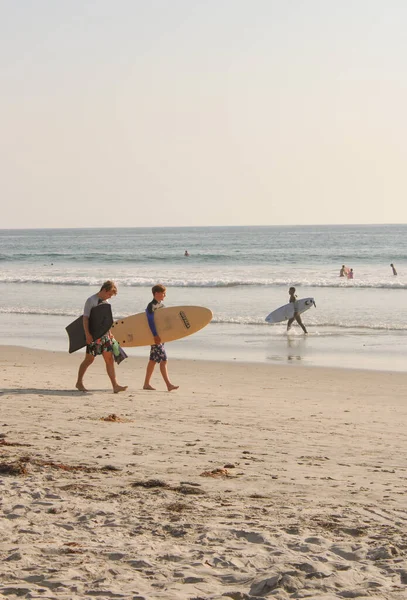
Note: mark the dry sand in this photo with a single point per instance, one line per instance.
(250, 481)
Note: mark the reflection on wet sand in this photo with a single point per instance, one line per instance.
(296, 350)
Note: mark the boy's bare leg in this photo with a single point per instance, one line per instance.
(164, 373)
(109, 360)
(83, 367)
(149, 372)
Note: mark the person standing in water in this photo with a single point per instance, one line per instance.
(296, 317)
(393, 268)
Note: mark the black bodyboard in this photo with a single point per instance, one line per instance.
(100, 321)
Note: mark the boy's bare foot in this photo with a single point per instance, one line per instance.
(120, 388)
(148, 387)
(81, 387)
(172, 387)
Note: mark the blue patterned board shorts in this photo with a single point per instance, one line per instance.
(157, 353)
(102, 344)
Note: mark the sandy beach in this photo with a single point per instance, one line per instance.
(250, 481)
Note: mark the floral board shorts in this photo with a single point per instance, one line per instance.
(102, 344)
(157, 353)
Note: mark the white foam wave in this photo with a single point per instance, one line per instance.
(221, 320)
(312, 322)
(203, 282)
(11, 310)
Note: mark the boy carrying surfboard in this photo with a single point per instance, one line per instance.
(158, 354)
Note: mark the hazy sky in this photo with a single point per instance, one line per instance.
(202, 112)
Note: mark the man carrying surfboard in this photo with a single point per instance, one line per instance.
(296, 317)
(158, 354)
(102, 345)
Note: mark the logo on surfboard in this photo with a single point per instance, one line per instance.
(184, 319)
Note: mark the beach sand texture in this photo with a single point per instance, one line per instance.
(250, 481)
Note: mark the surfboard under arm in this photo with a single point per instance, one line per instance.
(287, 311)
(100, 321)
(172, 323)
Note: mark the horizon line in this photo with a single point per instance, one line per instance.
(200, 226)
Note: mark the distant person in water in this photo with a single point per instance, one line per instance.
(350, 274)
(296, 317)
(186, 253)
(393, 268)
(342, 272)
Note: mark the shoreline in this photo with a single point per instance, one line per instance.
(289, 365)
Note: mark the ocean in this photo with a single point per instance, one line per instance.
(240, 273)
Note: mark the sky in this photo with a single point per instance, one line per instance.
(202, 112)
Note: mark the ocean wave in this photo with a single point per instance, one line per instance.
(245, 257)
(134, 258)
(87, 281)
(220, 320)
(142, 258)
(312, 323)
(38, 311)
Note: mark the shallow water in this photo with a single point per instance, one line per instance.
(240, 273)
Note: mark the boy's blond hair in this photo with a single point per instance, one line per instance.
(108, 286)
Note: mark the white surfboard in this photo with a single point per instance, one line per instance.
(172, 323)
(287, 311)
